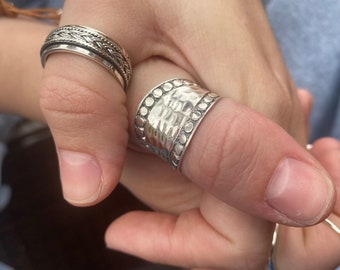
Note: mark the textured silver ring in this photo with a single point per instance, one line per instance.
(93, 44)
(168, 117)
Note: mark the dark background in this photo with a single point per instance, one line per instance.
(39, 229)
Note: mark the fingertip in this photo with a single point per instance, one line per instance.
(300, 192)
(306, 101)
(138, 232)
(81, 177)
(306, 98)
(83, 180)
(326, 144)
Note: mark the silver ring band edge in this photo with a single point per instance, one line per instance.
(168, 117)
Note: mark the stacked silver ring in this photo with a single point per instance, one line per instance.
(90, 43)
(169, 115)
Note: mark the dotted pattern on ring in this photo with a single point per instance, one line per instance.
(186, 132)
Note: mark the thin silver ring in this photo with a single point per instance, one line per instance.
(332, 225)
(93, 44)
(168, 117)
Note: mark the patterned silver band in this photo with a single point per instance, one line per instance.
(90, 43)
(168, 117)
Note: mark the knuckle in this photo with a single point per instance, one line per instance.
(223, 158)
(62, 97)
(282, 105)
(252, 255)
(285, 109)
(70, 107)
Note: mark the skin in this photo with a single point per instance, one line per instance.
(187, 215)
(239, 60)
(190, 215)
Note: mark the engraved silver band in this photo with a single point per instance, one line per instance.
(92, 44)
(168, 117)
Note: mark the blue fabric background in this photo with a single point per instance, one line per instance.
(309, 35)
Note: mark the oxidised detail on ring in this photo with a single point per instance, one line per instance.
(93, 44)
(169, 115)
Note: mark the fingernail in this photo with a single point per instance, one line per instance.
(80, 176)
(300, 192)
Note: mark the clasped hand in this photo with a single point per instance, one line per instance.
(246, 167)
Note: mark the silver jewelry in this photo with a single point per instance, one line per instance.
(332, 225)
(169, 115)
(93, 44)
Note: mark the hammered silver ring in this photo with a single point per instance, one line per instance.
(93, 44)
(168, 117)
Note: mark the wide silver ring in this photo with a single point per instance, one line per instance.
(93, 44)
(168, 117)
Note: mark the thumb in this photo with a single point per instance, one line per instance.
(84, 107)
(245, 159)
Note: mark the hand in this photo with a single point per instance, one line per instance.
(193, 229)
(187, 211)
(188, 195)
(227, 47)
(177, 195)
